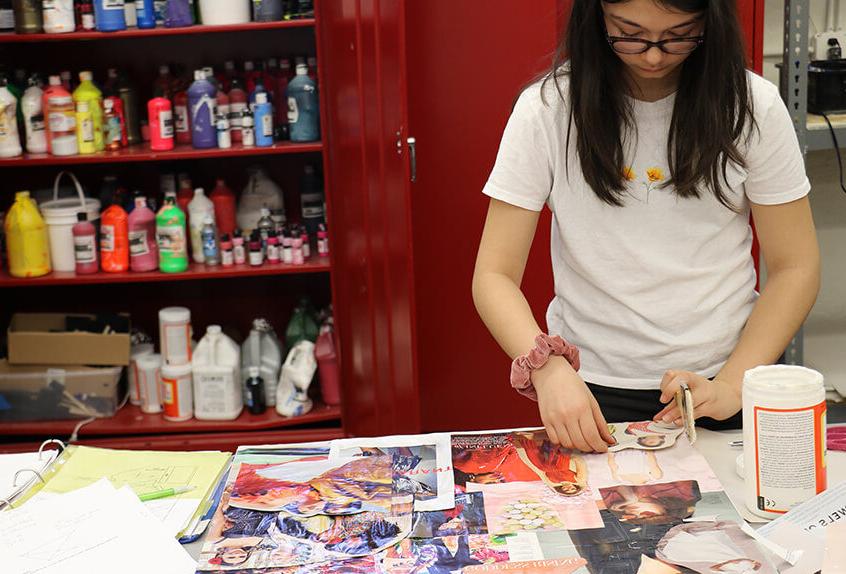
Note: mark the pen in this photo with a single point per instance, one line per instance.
(164, 493)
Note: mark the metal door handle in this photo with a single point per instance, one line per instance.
(412, 152)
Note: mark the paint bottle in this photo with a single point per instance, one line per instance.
(85, 129)
(254, 385)
(784, 442)
(175, 335)
(27, 245)
(161, 124)
(199, 207)
(223, 105)
(130, 14)
(322, 241)
(263, 120)
(67, 80)
(237, 104)
(259, 88)
(143, 250)
(265, 227)
(287, 248)
(239, 253)
(114, 240)
(85, 245)
(131, 110)
(217, 380)
(202, 104)
(297, 250)
(251, 75)
(149, 383)
(225, 208)
(88, 92)
(177, 392)
(10, 140)
(171, 237)
(306, 242)
(185, 194)
(112, 132)
(58, 16)
(303, 108)
(248, 134)
(110, 15)
(208, 236)
(28, 16)
(33, 113)
(145, 13)
(256, 255)
(224, 137)
(227, 258)
(311, 199)
(61, 116)
(179, 13)
(54, 86)
(273, 255)
(163, 84)
(182, 117)
(85, 15)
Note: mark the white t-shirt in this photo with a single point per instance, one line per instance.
(662, 282)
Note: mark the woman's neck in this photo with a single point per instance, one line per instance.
(652, 90)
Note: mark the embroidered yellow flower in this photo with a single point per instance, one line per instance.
(654, 174)
(628, 173)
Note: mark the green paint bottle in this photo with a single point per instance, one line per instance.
(171, 237)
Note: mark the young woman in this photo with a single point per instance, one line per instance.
(650, 143)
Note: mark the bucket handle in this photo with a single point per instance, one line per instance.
(76, 184)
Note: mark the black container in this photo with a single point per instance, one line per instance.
(28, 16)
(827, 86)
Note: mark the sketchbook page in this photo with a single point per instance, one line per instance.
(423, 463)
(92, 530)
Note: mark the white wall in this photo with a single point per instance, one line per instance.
(825, 330)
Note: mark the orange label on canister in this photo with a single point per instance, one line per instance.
(177, 397)
(789, 461)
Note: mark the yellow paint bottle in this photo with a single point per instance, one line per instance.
(85, 128)
(27, 244)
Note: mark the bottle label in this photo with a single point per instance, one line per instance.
(239, 254)
(107, 238)
(224, 138)
(36, 123)
(88, 22)
(138, 243)
(226, 257)
(267, 125)
(209, 244)
(273, 252)
(171, 240)
(236, 115)
(113, 132)
(61, 122)
(7, 19)
(113, 4)
(182, 125)
(85, 248)
(206, 106)
(293, 111)
(86, 129)
(166, 124)
(312, 212)
(323, 246)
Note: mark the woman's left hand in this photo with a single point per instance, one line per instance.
(716, 399)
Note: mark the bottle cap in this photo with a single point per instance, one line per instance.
(265, 212)
(55, 80)
(199, 191)
(86, 76)
(140, 201)
(229, 66)
(249, 66)
(108, 104)
(272, 62)
(261, 98)
(199, 75)
(254, 372)
(164, 70)
(302, 70)
(22, 195)
(213, 330)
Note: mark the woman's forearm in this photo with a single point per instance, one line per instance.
(785, 302)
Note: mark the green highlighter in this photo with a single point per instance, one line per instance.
(164, 493)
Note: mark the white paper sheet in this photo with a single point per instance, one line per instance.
(92, 530)
(10, 464)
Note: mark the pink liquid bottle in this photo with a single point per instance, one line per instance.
(143, 249)
(85, 245)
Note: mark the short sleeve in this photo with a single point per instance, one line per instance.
(522, 174)
(776, 168)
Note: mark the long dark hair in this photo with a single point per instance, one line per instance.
(712, 106)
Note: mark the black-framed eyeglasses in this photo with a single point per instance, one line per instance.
(676, 46)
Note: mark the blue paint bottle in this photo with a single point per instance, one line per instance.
(263, 112)
(109, 15)
(146, 12)
(303, 107)
(202, 105)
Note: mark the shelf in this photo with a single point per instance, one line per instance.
(314, 264)
(818, 136)
(159, 31)
(131, 421)
(142, 152)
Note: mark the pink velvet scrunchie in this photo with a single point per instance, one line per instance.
(545, 347)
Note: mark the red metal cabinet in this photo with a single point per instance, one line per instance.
(416, 355)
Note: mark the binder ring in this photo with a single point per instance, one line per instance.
(50, 441)
(32, 470)
(4, 502)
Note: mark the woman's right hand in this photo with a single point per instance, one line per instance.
(569, 411)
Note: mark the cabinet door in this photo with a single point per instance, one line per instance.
(467, 62)
(362, 57)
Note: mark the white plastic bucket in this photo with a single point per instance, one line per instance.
(60, 216)
(220, 12)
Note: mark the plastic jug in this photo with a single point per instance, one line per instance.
(26, 239)
(88, 92)
(296, 376)
(217, 380)
(303, 107)
(179, 13)
(58, 16)
(114, 239)
(32, 104)
(143, 250)
(171, 237)
(224, 208)
(10, 141)
(262, 349)
(260, 192)
(302, 325)
(110, 15)
(199, 207)
(202, 106)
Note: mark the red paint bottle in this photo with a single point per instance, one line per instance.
(161, 124)
(85, 245)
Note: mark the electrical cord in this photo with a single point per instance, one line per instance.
(836, 150)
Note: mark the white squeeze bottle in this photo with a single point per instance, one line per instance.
(198, 208)
(217, 382)
(32, 106)
(10, 141)
(262, 349)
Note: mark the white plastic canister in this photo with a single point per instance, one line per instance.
(149, 383)
(135, 353)
(60, 217)
(784, 416)
(175, 335)
(219, 12)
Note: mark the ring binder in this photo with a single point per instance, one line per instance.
(46, 461)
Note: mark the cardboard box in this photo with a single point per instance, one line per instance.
(45, 339)
(29, 393)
